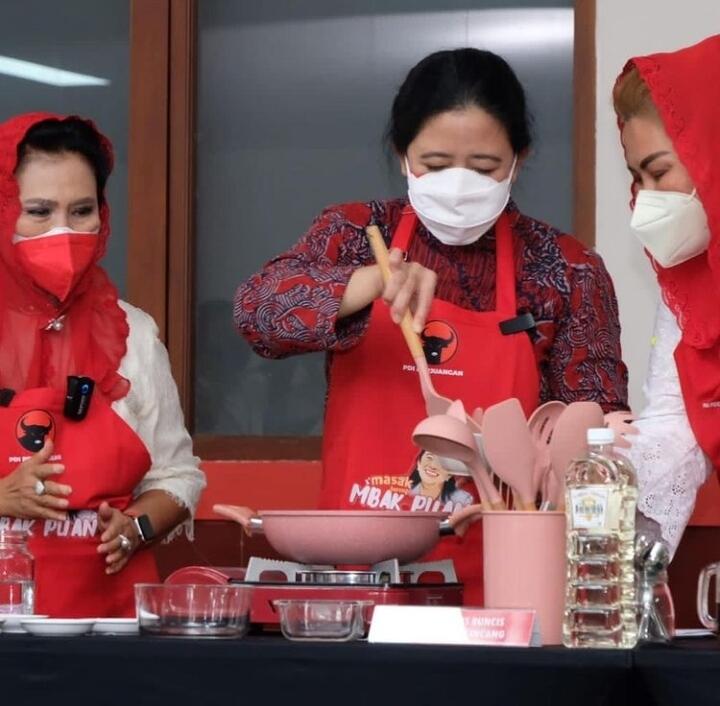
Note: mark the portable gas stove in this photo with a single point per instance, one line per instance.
(387, 583)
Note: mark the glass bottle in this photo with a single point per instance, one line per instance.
(17, 573)
(600, 502)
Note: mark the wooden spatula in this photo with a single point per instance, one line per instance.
(434, 403)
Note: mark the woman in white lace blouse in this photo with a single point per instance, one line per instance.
(667, 111)
(95, 460)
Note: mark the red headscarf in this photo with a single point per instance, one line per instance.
(685, 88)
(93, 339)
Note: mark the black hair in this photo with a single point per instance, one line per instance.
(458, 78)
(70, 134)
(448, 488)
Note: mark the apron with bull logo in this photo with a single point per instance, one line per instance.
(375, 401)
(104, 460)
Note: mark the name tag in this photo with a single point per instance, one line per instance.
(450, 625)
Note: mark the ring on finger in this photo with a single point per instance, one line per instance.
(39, 487)
(125, 543)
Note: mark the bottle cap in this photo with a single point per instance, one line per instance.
(601, 435)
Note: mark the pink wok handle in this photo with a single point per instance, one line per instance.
(240, 514)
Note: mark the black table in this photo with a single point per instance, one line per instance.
(270, 670)
(686, 673)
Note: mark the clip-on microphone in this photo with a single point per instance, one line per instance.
(522, 322)
(78, 396)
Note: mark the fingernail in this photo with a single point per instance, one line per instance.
(64, 503)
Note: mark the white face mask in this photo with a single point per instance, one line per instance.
(458, 205)
(671, 225)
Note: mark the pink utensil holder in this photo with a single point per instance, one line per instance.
(525, 565)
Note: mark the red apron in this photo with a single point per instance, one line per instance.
(375, 401)
(699, 375)
(104, 460)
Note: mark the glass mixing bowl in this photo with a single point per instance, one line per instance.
(197, 610)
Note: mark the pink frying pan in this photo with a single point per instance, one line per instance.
(345, 536)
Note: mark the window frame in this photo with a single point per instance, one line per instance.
(162, 157)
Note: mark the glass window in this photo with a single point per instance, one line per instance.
(73, 57)
(292, 104)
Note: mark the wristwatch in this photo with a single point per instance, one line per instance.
(144, 527)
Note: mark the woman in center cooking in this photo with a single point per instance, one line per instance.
(467, 264)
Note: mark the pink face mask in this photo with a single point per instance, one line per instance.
(56, 260)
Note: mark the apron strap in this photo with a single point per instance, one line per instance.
(403, 235)
(505, 296)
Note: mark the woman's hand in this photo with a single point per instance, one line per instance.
(29, 493)
(460, 520)
(410, 287)
(115, 524)
(622, 424)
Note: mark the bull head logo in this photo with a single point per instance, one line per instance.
(33, 428)
(439, 342)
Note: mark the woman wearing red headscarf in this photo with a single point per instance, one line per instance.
(667, 107)
(95, 462)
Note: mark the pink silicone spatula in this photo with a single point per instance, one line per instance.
(509, 449)
(448, 436)
(569, 441)
(541, 424)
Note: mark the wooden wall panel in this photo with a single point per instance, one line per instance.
(147, 158)
(181, 196)
(584, 120)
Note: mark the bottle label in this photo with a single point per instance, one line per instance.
(589, 507)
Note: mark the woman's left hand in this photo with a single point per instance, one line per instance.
(114, 525)
(622, 424)
(460, 520)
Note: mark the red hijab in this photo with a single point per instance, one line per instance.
(685, 88)
(93, 338)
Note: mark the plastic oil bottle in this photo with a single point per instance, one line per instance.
(600, 503)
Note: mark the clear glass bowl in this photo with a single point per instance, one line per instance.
(198, 610)
(333, 620)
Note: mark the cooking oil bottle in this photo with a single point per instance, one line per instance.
(600, 502)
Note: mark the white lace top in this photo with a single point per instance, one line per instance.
(152, 409)
(670, 464)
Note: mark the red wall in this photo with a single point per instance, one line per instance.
(262, 485)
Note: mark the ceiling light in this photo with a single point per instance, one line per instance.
(31, 71)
